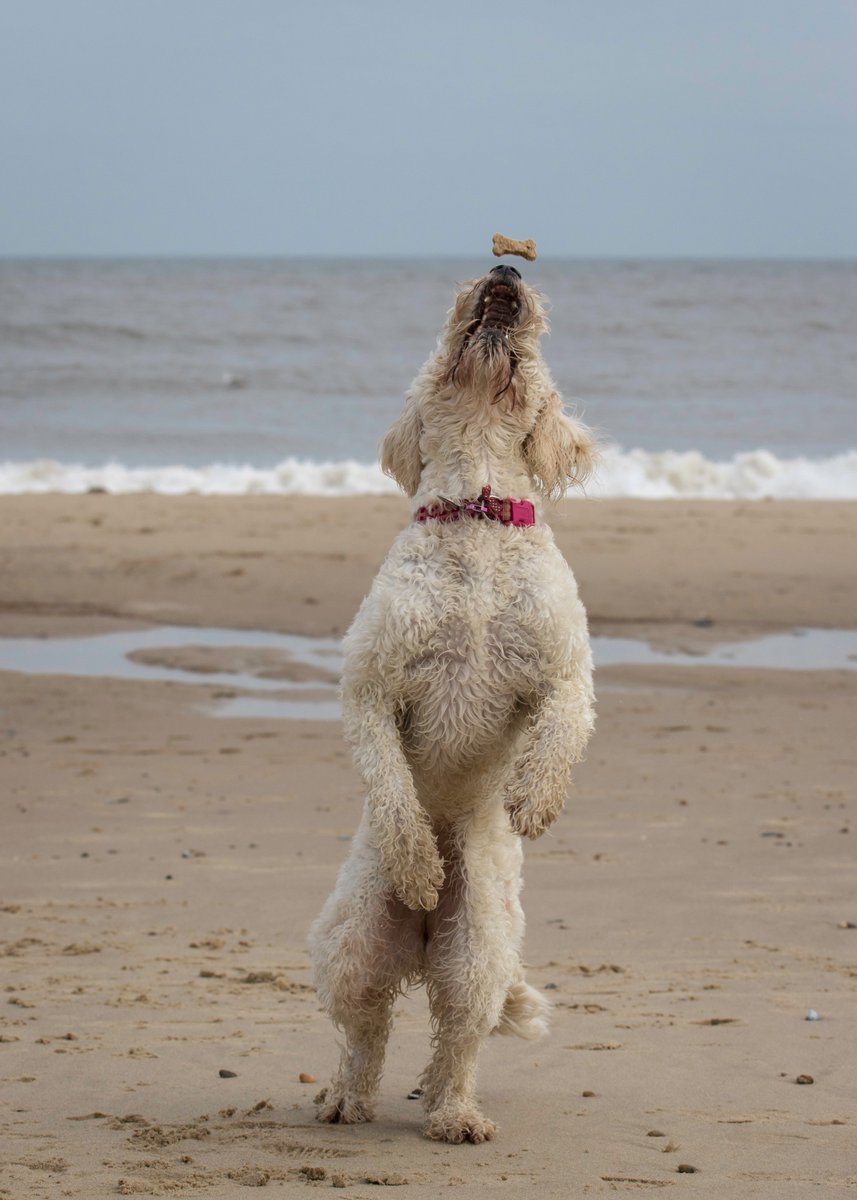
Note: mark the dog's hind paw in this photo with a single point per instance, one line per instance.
(459, 1125)
(344, 1110)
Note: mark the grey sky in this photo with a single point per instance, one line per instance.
(604, 127)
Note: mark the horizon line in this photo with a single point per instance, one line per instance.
(327, 256)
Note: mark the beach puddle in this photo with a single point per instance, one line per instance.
(293, 677)
(290, 676)
(797, 650)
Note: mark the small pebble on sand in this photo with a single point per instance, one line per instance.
(655, 1133)
(224, 1074)
(804, 1079)
(686, 1169)
(304, 1077)
(587, 1095)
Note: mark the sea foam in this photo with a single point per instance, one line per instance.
(660, 475)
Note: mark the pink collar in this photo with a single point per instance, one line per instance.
(486, 508)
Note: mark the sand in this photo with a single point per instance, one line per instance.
(159, 869)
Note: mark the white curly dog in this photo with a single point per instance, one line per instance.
(467, 697)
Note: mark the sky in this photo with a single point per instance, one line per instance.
(619, 128)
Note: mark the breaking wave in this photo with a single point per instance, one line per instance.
(659, 475)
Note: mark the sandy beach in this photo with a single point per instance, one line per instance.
(160, 867)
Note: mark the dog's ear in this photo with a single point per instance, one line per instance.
(558, 450)
(400, 449)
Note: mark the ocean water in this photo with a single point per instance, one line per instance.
(703, 378)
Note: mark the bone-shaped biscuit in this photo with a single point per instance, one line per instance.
(504, 245)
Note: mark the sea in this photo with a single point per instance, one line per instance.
(711, 379)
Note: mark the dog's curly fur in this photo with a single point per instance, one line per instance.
(467, 696)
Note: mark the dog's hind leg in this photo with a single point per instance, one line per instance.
(363, 945)
(471, 962)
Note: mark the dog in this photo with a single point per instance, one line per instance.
(467, 698)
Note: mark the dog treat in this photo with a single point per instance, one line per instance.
(504, 245)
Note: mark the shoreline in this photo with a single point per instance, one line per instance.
(757, 474)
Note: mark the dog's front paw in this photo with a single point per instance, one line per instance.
(412, 864)
(420, 886)
(527, 823)
(527, 818)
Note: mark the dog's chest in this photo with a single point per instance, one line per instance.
(463, 630)
(462, 689)
(469, 628)
(470, 657)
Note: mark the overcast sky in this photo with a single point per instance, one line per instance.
(598, 127)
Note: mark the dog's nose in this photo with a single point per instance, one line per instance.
(505, 271)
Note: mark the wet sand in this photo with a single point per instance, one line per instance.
(159, 869)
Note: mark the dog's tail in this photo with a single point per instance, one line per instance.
(525, 1014)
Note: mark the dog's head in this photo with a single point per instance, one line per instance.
(488, 372)
(491, 332)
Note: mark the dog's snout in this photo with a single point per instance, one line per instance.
(505, 271)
